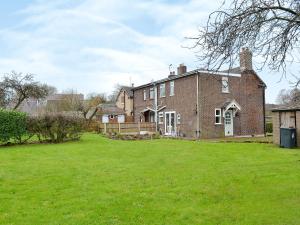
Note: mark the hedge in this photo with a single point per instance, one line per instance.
(55, 127)
(269, 127)
(12, 126)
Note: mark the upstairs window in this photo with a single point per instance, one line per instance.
(151, 93)
(218, 118)
(172, 88)
(145, 95)
(162, 90)
(225, 85)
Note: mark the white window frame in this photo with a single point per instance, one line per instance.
(160, 118)
(178, 118)
(218, 115)
(162, 87)
(151, 90)
(225, 85)
(172, 88)
(145, 95)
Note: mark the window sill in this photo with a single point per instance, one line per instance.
(218, 123)
(227, 92)
(172, 95)
(162, 96)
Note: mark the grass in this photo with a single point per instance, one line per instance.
(101, 181)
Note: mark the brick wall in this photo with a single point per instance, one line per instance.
(125, 102)
(183, 102)
(246, 90)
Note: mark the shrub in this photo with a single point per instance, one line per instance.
(269, 127)
(55, 127)
(12, 126)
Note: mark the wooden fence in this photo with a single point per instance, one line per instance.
(122, 127)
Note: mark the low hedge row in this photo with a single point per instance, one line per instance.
(12, 126)
(18, 128)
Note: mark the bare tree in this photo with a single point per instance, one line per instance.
(16, 87)
(270, 28)
(72, 101)
(113, 96)
(286, 97)
(89, 107)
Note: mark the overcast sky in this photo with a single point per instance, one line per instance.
(90, 45)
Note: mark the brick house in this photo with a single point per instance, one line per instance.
(124, 101)
(205, 104)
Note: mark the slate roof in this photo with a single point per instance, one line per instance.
(109, 108)
(294, 106)
(129, 90)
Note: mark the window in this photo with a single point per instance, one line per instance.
(145, 95)
(178, 118)
(161, 118)
(162, 90)
(218, 118)
(225, 85)
(151, 93)
(172, 88)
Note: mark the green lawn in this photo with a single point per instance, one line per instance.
(101, 181)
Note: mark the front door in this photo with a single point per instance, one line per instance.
(228, 123)
(170, 124)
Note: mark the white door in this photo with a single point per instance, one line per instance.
(228, 123)
(170, 123)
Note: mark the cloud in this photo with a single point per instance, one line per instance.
(91, 45)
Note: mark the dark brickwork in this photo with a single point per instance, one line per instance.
(246, 89)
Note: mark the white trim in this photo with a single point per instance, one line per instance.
(160, 87)
(175, 128)
(225, 87)
(233, 104)
(220, 73)
(161, 115)
(219, 116)
(151, 90)
(172, 87)
(145, 95)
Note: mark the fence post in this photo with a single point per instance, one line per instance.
(104, 128)
(119, 128)
(139, 127)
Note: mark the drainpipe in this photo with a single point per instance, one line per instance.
(155, 105)
(264, 110)
(198, 113)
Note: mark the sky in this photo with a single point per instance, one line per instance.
(92, 45)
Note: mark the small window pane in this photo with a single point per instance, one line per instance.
(225, 85)
(151, 93)
(162, 90)
(171, 88)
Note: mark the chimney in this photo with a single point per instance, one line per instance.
(245, 59)
(181, 69)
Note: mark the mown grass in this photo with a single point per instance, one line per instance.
(101, 181)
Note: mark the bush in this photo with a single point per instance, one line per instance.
(12, 126)
(269, 127)
(56, 127)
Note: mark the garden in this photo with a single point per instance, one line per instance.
(97, 180)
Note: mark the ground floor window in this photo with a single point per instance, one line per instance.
(218, 118)
(161, 118)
